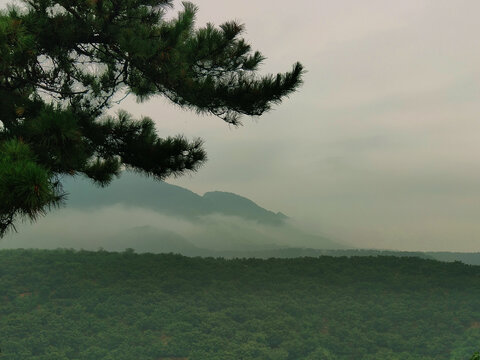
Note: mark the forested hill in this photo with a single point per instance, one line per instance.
(58, 305)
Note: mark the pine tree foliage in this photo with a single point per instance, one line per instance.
(62, 62)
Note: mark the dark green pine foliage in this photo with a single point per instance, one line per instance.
(63, 61)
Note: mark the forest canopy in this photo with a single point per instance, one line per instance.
(58, 305)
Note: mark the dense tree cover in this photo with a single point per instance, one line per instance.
(58, 305)
(466, 258)
(62, 62)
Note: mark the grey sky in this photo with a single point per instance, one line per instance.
(380, 147)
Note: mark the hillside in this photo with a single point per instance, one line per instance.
(137, 191)
(59, 305)
(163, 216)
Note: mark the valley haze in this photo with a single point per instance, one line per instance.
(153, 216)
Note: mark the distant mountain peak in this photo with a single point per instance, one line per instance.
(232, 204)
(187, 222)
(137, 191)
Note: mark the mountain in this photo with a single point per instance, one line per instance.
(233, 204)
(134, 190)
(154, 216)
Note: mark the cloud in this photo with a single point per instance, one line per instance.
(117, 227)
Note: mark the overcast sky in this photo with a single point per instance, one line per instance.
(380, 147)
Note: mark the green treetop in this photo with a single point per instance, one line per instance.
(62, 62)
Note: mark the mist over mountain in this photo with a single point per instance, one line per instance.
(137, 191)
(139, 213)
(233, 204)
(154, 216)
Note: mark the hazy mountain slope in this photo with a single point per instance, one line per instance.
(135, 190)
(149, 239)
(222, 221)
(233, 204)
(215, 235)
(154, 216)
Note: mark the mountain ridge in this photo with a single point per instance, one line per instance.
(134, 190)
(154, 216)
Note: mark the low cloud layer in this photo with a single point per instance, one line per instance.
(118, 227)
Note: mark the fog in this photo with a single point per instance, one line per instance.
(118, 227)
